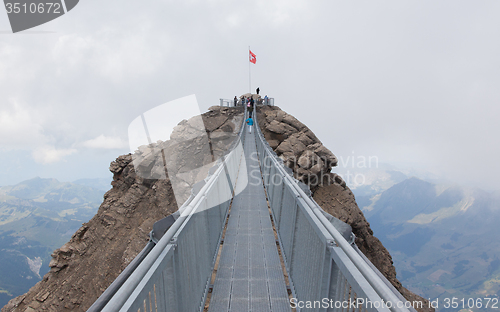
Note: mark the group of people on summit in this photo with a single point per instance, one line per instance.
(245, 100)
(249, 102)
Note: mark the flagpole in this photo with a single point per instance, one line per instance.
(249, 76)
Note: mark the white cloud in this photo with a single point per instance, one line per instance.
(284, 11)
(108, 53)
(104, 142)
(8, 55)
(72, 50)
(18, 126)
(49, 154)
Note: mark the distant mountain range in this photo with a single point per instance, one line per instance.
(36, 217)
(444, 239)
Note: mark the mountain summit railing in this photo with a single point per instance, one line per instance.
(231, 103)
(325, 271)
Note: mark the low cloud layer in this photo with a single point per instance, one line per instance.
(104, 142)
(49, 154)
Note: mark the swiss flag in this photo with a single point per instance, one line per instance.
(253, 57)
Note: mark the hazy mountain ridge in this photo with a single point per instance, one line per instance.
(36, 217)
(103, 184)
(441, 237)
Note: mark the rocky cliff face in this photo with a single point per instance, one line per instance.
(96, 254)
(85, 266)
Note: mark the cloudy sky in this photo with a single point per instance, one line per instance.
(410, 82)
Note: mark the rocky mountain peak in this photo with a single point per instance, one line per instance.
(96, 254)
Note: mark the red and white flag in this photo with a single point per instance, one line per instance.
(253, 57)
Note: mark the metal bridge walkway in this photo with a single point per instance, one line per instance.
(249, 276)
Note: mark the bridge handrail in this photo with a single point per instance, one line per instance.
(230, 102)
(154, 282)
(176, 274)
(338, 256)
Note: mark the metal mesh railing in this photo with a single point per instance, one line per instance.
(230, 103)
(175, 275)
(324, 270)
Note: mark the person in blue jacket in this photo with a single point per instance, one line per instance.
(250, 124)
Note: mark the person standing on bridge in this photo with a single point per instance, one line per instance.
(250, 124)
(235, 101)
(250, 109)
(258, 90)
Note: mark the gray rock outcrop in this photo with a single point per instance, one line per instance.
(297, 145)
